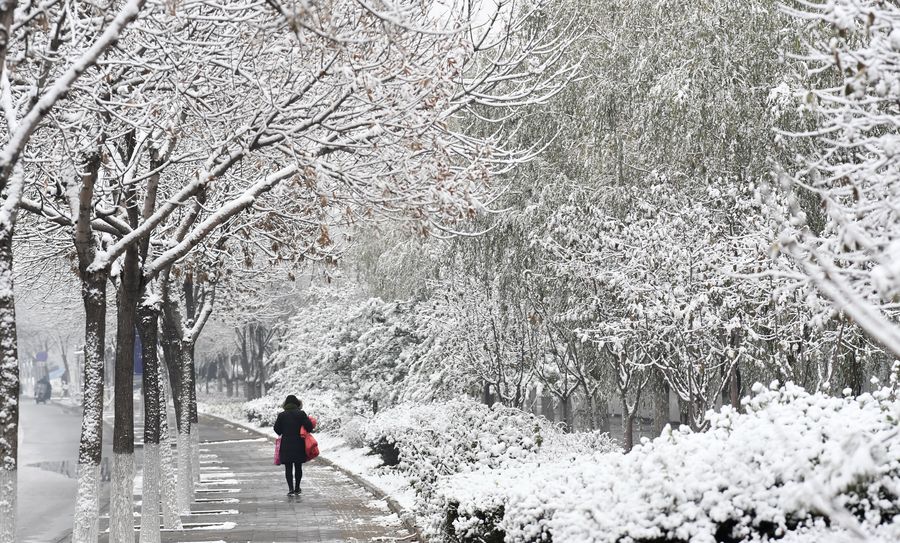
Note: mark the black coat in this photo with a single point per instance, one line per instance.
(287, 425)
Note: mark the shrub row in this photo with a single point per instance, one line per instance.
(795, 463)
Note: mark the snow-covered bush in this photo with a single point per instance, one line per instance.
(354, 432)
(461, 435)
(429, 442)
(777, 468)
(371, 352)
(325, 406)
(261, 411)
(563, 444)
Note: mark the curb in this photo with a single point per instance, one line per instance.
(405, 516)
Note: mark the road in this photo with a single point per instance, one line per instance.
(48, 467)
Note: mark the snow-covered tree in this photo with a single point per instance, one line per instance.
(151, 158)
(68, 41)
(849, 250)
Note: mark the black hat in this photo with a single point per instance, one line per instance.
(291, 399)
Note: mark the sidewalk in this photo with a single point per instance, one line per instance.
(242, 498)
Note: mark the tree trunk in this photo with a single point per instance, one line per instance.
(148, 317)
(603, 415)
(486, 397)
(171, 346)
(9, 393)
(590, 410)
(627, 427)
(185, 457)
(262, 375)
(660, 403)
(734, 388)
(195, 416)
(121, 504)
(93, 293)
(171, 519)
(547, 407)
(566, 406)
(67, 372)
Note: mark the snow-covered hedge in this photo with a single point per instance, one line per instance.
(793, 459)
(454, 436)
(323, 405)
(429, 442)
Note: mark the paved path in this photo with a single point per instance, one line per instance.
(242, 498)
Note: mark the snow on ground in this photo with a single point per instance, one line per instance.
(358, 461)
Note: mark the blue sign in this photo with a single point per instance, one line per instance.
(138, 359)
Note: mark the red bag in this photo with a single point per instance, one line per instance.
(278, 451)
(309, 442)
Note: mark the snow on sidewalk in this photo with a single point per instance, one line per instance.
(241, 497)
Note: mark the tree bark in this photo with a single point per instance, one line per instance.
(660, 402)
(189, 350)
(603, 415)
(121, 505)
(185, 462)
(9, 392)
(169, 487)
(627, 427)
(67, 372)
(9, 347)
(93, 293)
(147, 321)
(565, 403)
(734, 388)
(171, 345)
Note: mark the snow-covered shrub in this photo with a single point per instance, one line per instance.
(327, 409)
(431, 444)
(454, 436)
(428, 441)
(475, 502)
(779, 467)
(354, 432)
(563, 444)
(262, 411)
(221, 406)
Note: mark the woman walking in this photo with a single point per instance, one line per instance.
(293, 450)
